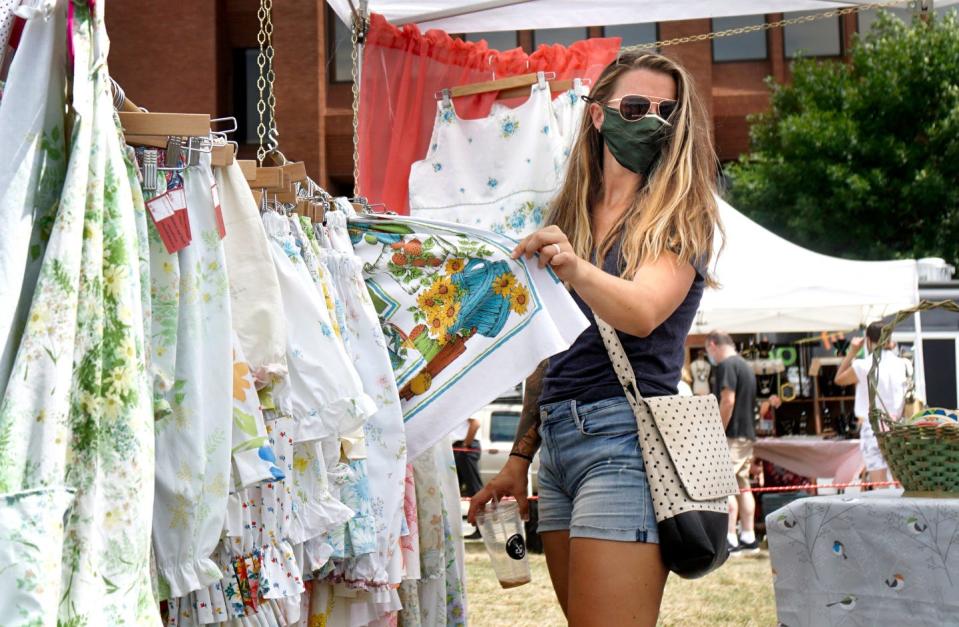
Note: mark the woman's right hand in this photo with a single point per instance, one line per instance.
(512, 481)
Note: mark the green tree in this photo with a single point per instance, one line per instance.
(861, 159)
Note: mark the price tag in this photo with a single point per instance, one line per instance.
(218, 211)
(169, 215)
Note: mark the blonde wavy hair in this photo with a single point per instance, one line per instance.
(675, 209)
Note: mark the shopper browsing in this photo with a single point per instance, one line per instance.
(734, 384)
(893, 381)
(631, 232)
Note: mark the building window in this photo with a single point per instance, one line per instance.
(341, 49)
(746, 47)
(820, 38)
(246, 95)
(562, 36)
(634, 34)
(495, 40)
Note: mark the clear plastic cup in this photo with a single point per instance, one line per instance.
(505, 538)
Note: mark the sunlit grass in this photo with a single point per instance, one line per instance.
(740, 593)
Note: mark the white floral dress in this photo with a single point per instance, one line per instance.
(257, 309)
(524, 152)
(323, 391)
(193, 440)
(79, 415)
(384, 433)
(32, 173)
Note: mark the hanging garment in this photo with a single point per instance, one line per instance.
(403, 69)
(193, 464)
(7, 17)
(323, 391)
(256, 306)
(456, 609)
(463, 321)
(384, 434)
(79, 415)
(33, 138)
(431, 588)
(254, 460)
(31, 541)
(522, 164)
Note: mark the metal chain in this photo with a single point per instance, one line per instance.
(261, 81)
(360, 26)
(273, 135)
(802, 19)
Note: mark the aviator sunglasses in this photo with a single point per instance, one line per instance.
(634, 107)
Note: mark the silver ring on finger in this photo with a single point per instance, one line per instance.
(558, 249)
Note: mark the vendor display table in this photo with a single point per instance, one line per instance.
(812, 456)
(874, 558)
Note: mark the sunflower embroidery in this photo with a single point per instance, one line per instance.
(454, 265)
(504, 283)
(519, 299)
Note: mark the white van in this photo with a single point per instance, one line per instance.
(498, 423)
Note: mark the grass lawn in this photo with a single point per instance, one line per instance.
(740, 593)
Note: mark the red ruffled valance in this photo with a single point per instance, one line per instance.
(403, 69)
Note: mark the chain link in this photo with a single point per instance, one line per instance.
(273, 135)
(802, 19)
(360, 27)
(261, 82)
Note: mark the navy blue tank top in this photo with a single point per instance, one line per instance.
(584, 373)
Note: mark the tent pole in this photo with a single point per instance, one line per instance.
(918, 361)
(458, 11)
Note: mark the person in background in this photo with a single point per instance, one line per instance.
(893, 377)
(685, 381)
(734, 384)
(466, 453)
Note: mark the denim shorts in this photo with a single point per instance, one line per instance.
(592, 480)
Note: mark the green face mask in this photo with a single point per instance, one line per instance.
(635, 145)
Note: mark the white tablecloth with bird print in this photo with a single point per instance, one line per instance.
(876, 558)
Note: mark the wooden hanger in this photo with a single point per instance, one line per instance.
(508, 88)
(522, 92)
(139, 123)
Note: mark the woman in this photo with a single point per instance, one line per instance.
(638, 196)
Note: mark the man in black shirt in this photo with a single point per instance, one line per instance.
(734, 384)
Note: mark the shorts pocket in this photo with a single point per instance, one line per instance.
(609, 417)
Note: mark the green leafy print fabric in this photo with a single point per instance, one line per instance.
(32, 171)
(77, 411)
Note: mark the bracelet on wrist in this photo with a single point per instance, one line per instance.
(522, 456)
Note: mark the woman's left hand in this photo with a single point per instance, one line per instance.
(554, 250)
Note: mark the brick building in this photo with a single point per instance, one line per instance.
(201, 57)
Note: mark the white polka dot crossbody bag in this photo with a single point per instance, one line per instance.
(688, 467)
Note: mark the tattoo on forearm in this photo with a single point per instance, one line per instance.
(527, 433)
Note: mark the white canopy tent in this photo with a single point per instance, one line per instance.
(471, 16)
(772, 285)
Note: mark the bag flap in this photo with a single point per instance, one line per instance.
(693, 433)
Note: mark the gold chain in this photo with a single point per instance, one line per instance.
(802, 19)
(261, 81)
(360, 25)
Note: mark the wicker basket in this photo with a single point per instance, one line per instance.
(924, 459)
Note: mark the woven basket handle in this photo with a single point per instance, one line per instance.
(876, 414)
